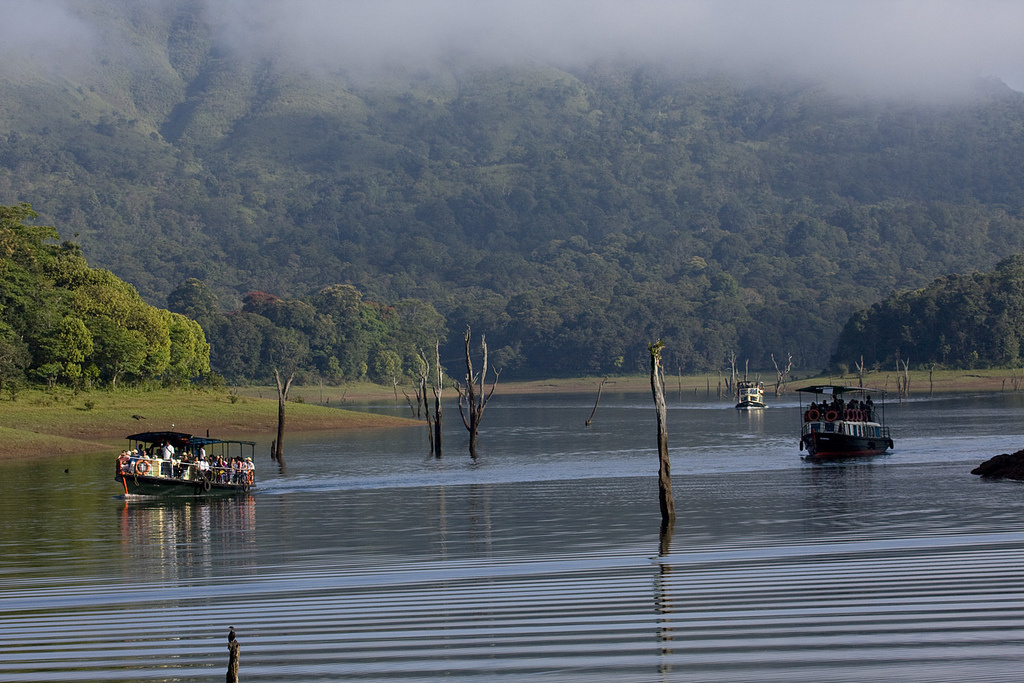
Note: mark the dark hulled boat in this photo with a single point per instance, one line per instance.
(833, 427)
(178, 464)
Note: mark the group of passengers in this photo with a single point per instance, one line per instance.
(194, 465)
(836, 409)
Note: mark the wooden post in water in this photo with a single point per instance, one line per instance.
(668, 506)
(233, 656)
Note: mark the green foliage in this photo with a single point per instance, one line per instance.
(64, 322)
(333, 334)
(961, 321)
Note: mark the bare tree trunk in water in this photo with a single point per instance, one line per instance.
(668, 506)
(438, 386)
(421, 399)
(233, 656)
(282, 398)
(472, 400)
(593, 412)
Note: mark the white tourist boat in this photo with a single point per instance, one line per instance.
(751, 395)
(177, 464)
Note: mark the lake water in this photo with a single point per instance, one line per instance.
(540, 561)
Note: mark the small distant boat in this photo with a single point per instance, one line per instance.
(836, 428)
(751, 395)
(177, 464)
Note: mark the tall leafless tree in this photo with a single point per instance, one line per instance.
(473, 398)
(782, 374)
(730, 382)
(902, 378)
(422, 400)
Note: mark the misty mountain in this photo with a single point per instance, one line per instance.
(572, 211)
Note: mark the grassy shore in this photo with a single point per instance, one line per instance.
(42, 423)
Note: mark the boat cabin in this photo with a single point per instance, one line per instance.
(162, 463)
(843, 421)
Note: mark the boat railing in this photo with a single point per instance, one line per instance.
(180, 470)
(870, 429)
(841, 415)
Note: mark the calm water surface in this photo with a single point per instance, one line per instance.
(540, 561)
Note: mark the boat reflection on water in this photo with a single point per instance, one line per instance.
(187, 537)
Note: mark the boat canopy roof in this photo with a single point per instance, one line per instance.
(838, 389)
(178, 439)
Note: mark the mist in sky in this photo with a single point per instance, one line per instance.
(887, 46)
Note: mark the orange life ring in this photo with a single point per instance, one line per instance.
(142, 467)
(813, 415)
(249, 476)
(860, 415)
(831, 416)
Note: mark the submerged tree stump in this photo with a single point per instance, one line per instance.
(668, 506)
(233, 656)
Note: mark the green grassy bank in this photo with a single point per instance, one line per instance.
(43, 423)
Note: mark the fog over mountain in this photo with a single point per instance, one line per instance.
(607, 188)
(918, 47)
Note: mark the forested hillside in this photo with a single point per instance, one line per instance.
(571, 215)
(962, 321)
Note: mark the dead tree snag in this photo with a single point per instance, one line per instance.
(668, 506)
(472, 397)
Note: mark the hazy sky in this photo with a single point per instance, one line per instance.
(892, 45)
(887, 45)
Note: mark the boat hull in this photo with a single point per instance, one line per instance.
(831, 445)
(142, 485)
(750, 405)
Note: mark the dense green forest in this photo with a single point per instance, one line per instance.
(961, 321)
(572, 215)
(64, 322)
(332, 336)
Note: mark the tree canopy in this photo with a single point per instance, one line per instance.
(962, 321)
(64, 322)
